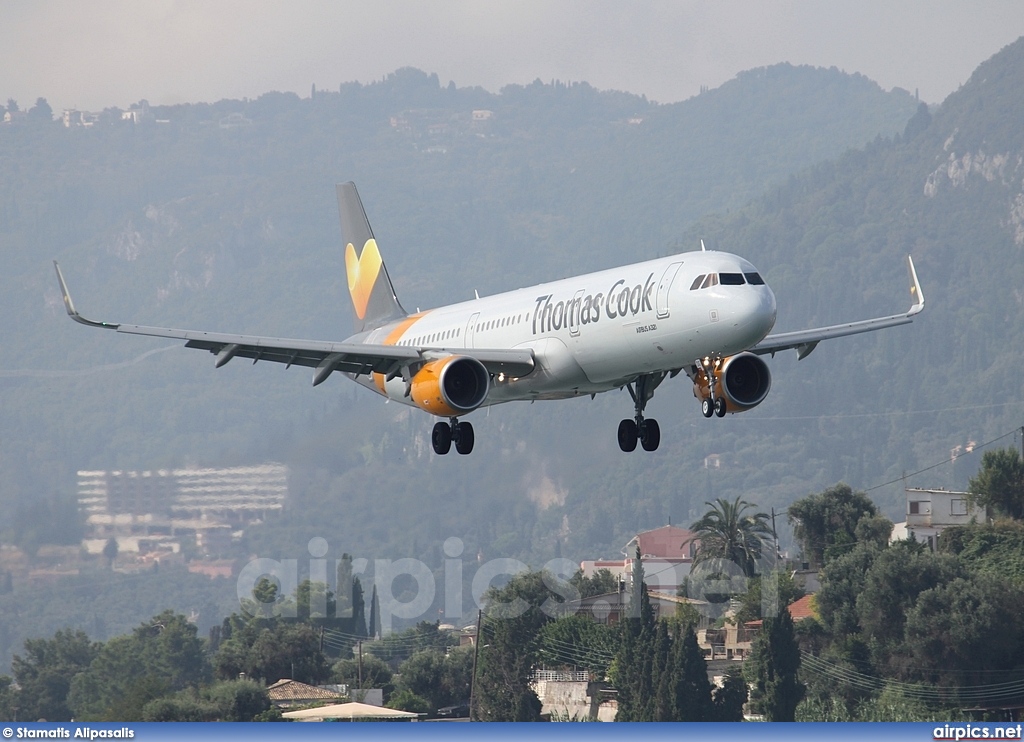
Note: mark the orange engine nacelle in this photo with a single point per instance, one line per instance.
(451, 386)
(743, 381)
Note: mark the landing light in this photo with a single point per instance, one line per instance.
(501, 376)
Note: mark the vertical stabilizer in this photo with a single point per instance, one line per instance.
(373, 296)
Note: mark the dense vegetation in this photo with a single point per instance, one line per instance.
(897, 633)
(201, 222)
(904, 632)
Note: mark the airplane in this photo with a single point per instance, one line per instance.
(707, 314)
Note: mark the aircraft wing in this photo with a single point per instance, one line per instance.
(805, 341)
(323, 356)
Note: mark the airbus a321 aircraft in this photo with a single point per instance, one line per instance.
(706, 314)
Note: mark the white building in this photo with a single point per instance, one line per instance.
(930, 511)
(149, 511)
(666, 554)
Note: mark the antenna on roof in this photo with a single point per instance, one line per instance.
(702, 248)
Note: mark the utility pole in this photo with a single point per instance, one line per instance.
(476, 654)
(360, 644)
(775, 535)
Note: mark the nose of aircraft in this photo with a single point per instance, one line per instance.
(755, 313)
(767, 311)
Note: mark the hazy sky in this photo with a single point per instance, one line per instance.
(101, 53)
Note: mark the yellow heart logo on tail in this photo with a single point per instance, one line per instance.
(362, 274)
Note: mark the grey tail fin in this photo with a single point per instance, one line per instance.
(373, 296)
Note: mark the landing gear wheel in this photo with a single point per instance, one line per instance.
(650, 435)
(707, 407)
(441, 438)
(464, 438)
(627, 435)
(641, 389)
(720, 407)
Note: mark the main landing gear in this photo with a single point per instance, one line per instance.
(444, 434)
(710, 405)
(647, 431)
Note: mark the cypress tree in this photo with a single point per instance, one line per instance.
(778, 661)
(663, 675)
(693, 689)
(728, 700)
(634, 666)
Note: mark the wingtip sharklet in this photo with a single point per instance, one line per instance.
(915, 289)
(69, 305)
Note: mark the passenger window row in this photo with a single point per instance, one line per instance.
(432, 338)
(454, 333)
(503, 322)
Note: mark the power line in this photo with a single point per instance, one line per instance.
(941, 463)
(965, 693)
(891, 413)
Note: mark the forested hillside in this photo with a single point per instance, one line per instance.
(223, 217)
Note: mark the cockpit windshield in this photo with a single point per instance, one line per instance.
(706, 280)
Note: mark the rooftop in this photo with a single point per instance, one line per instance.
(667, 542)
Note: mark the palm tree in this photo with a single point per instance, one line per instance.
(726, 532)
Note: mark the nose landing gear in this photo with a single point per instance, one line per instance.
(710, 405)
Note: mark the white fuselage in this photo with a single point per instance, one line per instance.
(595, 332)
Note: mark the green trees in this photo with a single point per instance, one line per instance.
(688, 674)
(370, 672)
(162, 656)
(729, 698)
(951, 629)
(776, 662)
(891, 588)
(240, 699)
(996, 548)
(228, 700)
(269, 649)
(41, 112)
(158, 672)
(660, 675)
(579, 641)
(44, 674)
(632, 673)
(780, 591)
(397, 647)
(441, 679)
(279, 637)
(405, 700)
(510, 649)
(659, 671)
(8, 699)
(601, 583)
(110, 550)
(906, 633)
(727, 532)
(825, 523)
(999, 484)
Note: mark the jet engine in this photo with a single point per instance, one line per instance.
(743, 381)
(450, 386)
